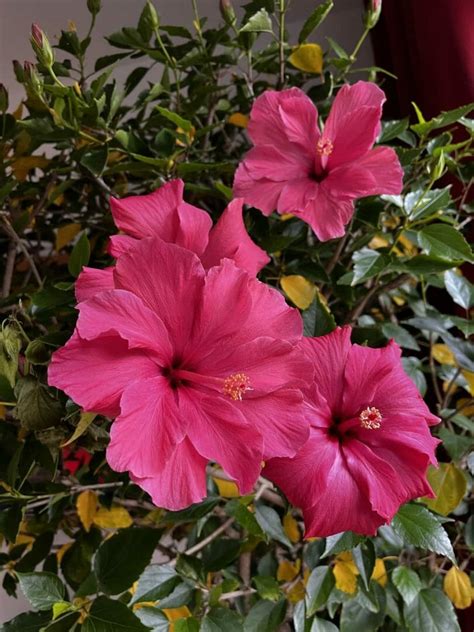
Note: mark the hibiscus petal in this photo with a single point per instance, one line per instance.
(328, 355)
(220, 433)
(262, 194)
(181, 482)
(230, 239)
(296, 194)
(91, 281)
(300, 118)
(327, 214)
(355, 135)
(265, 161)
(95, 373)
(120, 244)
(123, 313)
(281, 418)
(351, 98)
(148, 429)
(169, 280)
(194, 227)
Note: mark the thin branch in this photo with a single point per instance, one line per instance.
(9, 267)
(10, 231)
(203, 543)
(373, 291)
(237, 593)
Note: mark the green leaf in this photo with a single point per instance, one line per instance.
(463, 351)
(80, 255)
(122, 558)
(364, 558)
(156, 581)
(42, 589)
(260, 22)
(319, 586)
(95, 160)
(469, 533)
(270, 522)
(153, 618)
(341, 542)
(400, 335)
(85, 421)
(10, 345)
(26, 622)
(189, 624)
(424, 264)
(178, 120)
(221, 620)
(267, 587)
(36, 408)
(392, 129)
(180, 596)
(418, 527)
(192, 513)
(459, 288)
(367, 264)
(322, 625)
(441, 240)
(265, 616)
(220, 554)
(431, 611)
(318, 15)
(407, 583)
(108, 615)
(420, 204)
(317, 319)
(355, 617)
(244, 517)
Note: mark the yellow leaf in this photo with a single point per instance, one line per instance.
(286, 216)
(409, 247)
(469, 377)
(290, 527)
(84, 422)
(174, 614)
(227, 489)
(299, 290)
(457, 586)
(379, 574)
(308, 58)
(378, 242)
(296, 593)
(238, 119)
(189, 136)
(443, 354)
(449, 484)
(21, 166)
(287, 571)
(64, 234)
(345, 573)
(143, 604)
(62, 550)
(18, 113)
(465, 407)
(86, 505)
(114, 518)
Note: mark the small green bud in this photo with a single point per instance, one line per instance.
(227, 12)
(3, 98)
(151, 15)
(94, 6)
(32, 79)
(372, 13)
(18, 70)
(41, 46)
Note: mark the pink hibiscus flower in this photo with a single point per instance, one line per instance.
(194, 365)
(295, 168)
(369, 444)
(165, 214)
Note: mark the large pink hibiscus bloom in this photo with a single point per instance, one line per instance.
(165, 214)
(369, 444)
(295, 168)
(196, 366)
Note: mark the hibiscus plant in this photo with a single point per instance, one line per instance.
(236, 376)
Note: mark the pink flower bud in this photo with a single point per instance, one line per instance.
(372, 13)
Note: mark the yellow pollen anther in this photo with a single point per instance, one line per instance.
(370, 418)
(324, 147)
(236, 385)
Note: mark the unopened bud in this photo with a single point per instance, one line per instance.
(18, 70)
(32, 79)
(372, 13)
(94, 6)
(41, 46)
(227, 12)
(152, 15)
(3, 98)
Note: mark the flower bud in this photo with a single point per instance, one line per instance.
(18, 70)
(151, 15)
(41, 46)
(372, 13)
(227, 12)
(32, 80)
(3, 98)
(94, 6)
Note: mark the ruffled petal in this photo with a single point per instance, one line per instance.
(91, 281)
(95, 373)
(327, 214)
(148, 429)
(300, 119)
(267, 162)
(121, 312)
(181, 482)
(220, 433)
(230, 239)
(120, 244)
(169, 280)
(262, 194)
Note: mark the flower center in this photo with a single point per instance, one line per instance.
(324, 147)
(370, 418)
(236, 385)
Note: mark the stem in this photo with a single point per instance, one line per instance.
(281, 43)
(12, 234)
(9, 267)
(359, 44)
